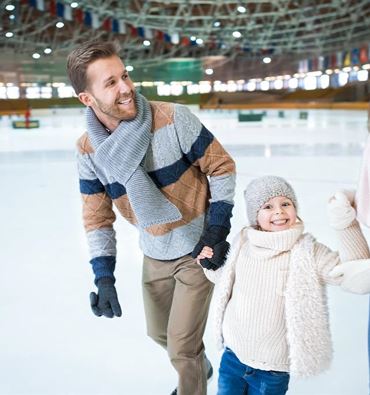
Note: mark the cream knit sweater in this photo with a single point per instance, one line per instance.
(254, 320)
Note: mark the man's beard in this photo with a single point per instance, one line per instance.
(114, 111)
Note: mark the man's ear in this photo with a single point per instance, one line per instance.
(85, 98)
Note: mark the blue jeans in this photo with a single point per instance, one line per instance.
(235, 378)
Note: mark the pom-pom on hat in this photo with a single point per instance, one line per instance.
(261, 190)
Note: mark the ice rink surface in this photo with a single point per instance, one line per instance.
(52, 344)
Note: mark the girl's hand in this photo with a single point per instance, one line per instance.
(207, 252)
(340, 210)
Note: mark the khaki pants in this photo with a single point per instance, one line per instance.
(176, 302)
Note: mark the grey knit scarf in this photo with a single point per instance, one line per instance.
(121, 153)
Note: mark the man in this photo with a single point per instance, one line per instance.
(152, 161)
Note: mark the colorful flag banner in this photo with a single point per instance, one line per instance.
(79, 15)
(175, 38)
(347, 59)
(67, 12)
(355, 56)
(115, 26)
(40, 5)
(88, 19)
(60, 10)
(140, 32)
(122, 27)
(107, 24)
(363, 55)
(52, 7)
(339, 62)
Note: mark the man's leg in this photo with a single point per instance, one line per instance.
(176, 302)
(158, 288)
(186, 326)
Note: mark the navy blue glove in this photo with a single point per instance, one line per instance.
(214, 237)
(106, 301)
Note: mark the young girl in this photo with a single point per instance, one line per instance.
(271, 310)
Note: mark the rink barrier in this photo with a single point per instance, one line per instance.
(251, 117)
(23, 124)
(290, 106)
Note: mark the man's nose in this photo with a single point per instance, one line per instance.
(124, 87)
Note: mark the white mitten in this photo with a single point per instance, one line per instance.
(340, 211)
(355, 276)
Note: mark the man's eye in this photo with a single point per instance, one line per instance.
(286, 204)
(125, 76)
(268, 207)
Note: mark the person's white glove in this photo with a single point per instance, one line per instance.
(340, 211)
(355, 276)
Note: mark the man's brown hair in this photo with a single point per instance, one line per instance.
(80, 58)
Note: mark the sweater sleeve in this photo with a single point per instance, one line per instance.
(98, 218)
(203, 150)
(219, 275)
(352, 246)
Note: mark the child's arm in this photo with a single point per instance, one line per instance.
(354, 276)
(354, 273)
(342, 217)
(207, 252)
(212, 275)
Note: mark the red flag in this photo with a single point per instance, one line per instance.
(333, 61)
(79, 15)
(107, 24)
(53, 7)
(185, 41)
(363, 55)
(159, 35)
(133, 31)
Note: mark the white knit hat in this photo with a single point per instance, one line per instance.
(261, 190)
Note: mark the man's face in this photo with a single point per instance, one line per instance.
(110, 92)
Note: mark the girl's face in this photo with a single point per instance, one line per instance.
(277, 214)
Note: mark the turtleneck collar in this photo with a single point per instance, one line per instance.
(273, 243)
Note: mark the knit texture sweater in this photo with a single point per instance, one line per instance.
(187, 164)
(250, 296)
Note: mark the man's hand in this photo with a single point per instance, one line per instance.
(214, 237)
(106, 301)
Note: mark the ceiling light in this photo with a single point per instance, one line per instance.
(193, 38)
(237, 34)
(209, 71)
(10, 7)
(47, 51)
(9, 34)
(241, 9)
(216, 23)
(146, 43)
(74, 4)
(199, 41)
(36, 55)
(266, 60)
(59, 25)
(11, 16)
(129, 68)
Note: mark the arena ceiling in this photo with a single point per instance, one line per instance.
(230, 36)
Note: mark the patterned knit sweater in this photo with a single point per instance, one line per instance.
(187, 164)
(250, 296)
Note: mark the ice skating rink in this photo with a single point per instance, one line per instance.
(52, 344)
